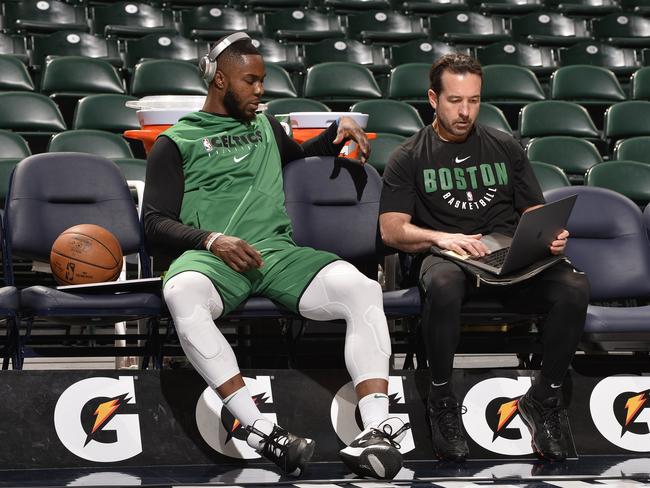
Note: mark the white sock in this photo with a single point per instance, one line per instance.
(264, 426)
(373, 409)
(241, 405)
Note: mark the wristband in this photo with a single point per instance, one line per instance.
(213, 237)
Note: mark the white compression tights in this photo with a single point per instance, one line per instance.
(338, 291)
(194, 303)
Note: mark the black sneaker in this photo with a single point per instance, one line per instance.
(447, 437)
(545, 420)
(374, 453)
(291, 453)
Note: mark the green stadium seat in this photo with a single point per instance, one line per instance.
(210, 22)
(627, 119)
(167, 77)
(493, 116)
(132, 168)
(350, 51)
(585, 84)
(410, 82)
(633, 149)
(131, 19)
(435, 7)
(390, 116)
(80, 75)
(537, 59)
(630, 178)
(381, 148)
(509, 83)
(622, 29)
(586, 8)
(571, 154)
(468, 28)
(38, 16)
(553, 118)
(510, 87)
(105, 112)
(385, 27)
(15, 76)
(66, 43)
(13, 146)
(32, 115)
(66, 79)
(29, 112)
(622, 61)
(506, 7)
(288, 105)
(641, 84)
(594, 87)
(549, 29)
(285, 55)
(162, 46)
(340, 83)
(277, 83)
(548, 176)
(421, 52)
(14, 45)
(100, 143)
(302, 26)
(347, 6)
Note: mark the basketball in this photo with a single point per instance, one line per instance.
(85, 253)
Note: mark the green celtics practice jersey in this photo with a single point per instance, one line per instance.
(233, 178)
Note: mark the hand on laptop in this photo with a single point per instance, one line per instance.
(558, 245)
(463, 244)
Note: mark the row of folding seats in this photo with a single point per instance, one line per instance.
(126, 20)
(585, 7)
(408, 81)
(626, 177)
(542, 60)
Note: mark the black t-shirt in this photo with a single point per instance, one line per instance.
(477, 186)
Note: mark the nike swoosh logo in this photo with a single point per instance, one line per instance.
(236, 159)
(461, 160)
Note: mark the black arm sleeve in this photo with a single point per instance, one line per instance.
(320, 145)
(161, 206)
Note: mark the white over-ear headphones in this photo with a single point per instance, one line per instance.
(208, 63)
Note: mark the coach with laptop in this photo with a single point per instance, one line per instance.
(447, 186)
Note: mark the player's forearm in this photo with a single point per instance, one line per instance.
(409, 237)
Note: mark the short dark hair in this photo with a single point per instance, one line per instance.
(456, 63)
(236, 50)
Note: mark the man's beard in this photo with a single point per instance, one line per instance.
(233, 105)
(449, 127)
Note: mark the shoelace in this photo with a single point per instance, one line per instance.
(387, 432)
(274, 443)
(449, 421)
(552, 420)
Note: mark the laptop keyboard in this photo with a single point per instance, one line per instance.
(495, 259)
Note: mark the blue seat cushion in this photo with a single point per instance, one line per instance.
(617, 319)
(42, 300)
(9, 299)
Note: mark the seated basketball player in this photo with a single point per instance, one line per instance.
(214, 198)
(440, 189)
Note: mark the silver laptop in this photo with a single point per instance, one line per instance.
(530, 244)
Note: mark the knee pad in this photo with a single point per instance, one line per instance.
(194, 303)
(340, 291)
(188, 289)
